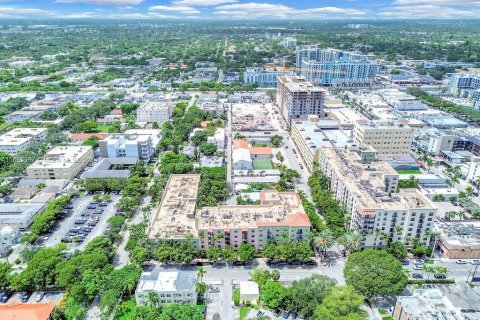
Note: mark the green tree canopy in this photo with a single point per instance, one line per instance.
(375, 273)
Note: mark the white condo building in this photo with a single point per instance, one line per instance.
(154, 111)
(61, 163)
(387, 137)
(369, 191)
(337, 68)
(176, 286)
(19, 139)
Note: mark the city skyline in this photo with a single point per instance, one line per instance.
(238, 9)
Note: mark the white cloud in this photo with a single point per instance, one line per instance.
(202, 3)
(126, 8)
(259, 10)
(427, 11)
(115, 2)
(20, 12)
(439, 2)
(181, 9)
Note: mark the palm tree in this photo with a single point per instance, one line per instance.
(469, 192)
(352, 241)
(325, 240)
(398, 230)
(428, 269)
(153, 298)
(201, 272)
(433, 235)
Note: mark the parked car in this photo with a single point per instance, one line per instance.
(404, 262)
(85, 214)
(4, 296)
(417, 267)
(461, 261)
(92, 206)
(39, 296)
(440, 276)
(260, 313)
(417, 276)
(66, 239)
(103, 204)
(80, 221)
(285, 314)
(69, 206)
(25, 296)
(87, 229)
(475, 261)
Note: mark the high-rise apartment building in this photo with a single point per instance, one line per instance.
(336, 68)
(298, 98)
(369, 192)
(463, 85)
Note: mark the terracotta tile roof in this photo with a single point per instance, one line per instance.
(237, 144)
(116, 111)
(204, 124)
(292, 220)
(261, 150)
(85, 136)
(26, 311)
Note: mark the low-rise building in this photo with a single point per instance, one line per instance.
(426, 304)
(216, 107)
(218, 139)
(175, 286)
(9, 235)
(249, 293)
(19, 215)
(386, 137)
(138, 146)
(61, 163)
(19, 139)
(154, 111)
(460, 240)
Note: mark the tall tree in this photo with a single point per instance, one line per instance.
(375, 273)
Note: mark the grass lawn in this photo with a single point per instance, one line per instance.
(104, 127)
(409, 171)
(387, 318)
(262, 164)
(244, 312)
(129, 313)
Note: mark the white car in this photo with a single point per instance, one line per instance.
(475, 262)
(417, 267)
(461, 262)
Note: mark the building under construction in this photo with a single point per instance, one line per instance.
(297, 98)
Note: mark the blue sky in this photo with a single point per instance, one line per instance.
(241, 9)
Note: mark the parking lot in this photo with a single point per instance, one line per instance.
(29, 297)
(84, 219)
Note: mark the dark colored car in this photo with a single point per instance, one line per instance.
(66, 239)
(285, 314)
(417, 276)
(4, 296)
(440, 276)
(69, 206)
(92, 206)
(80, 221)
(25, 296)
